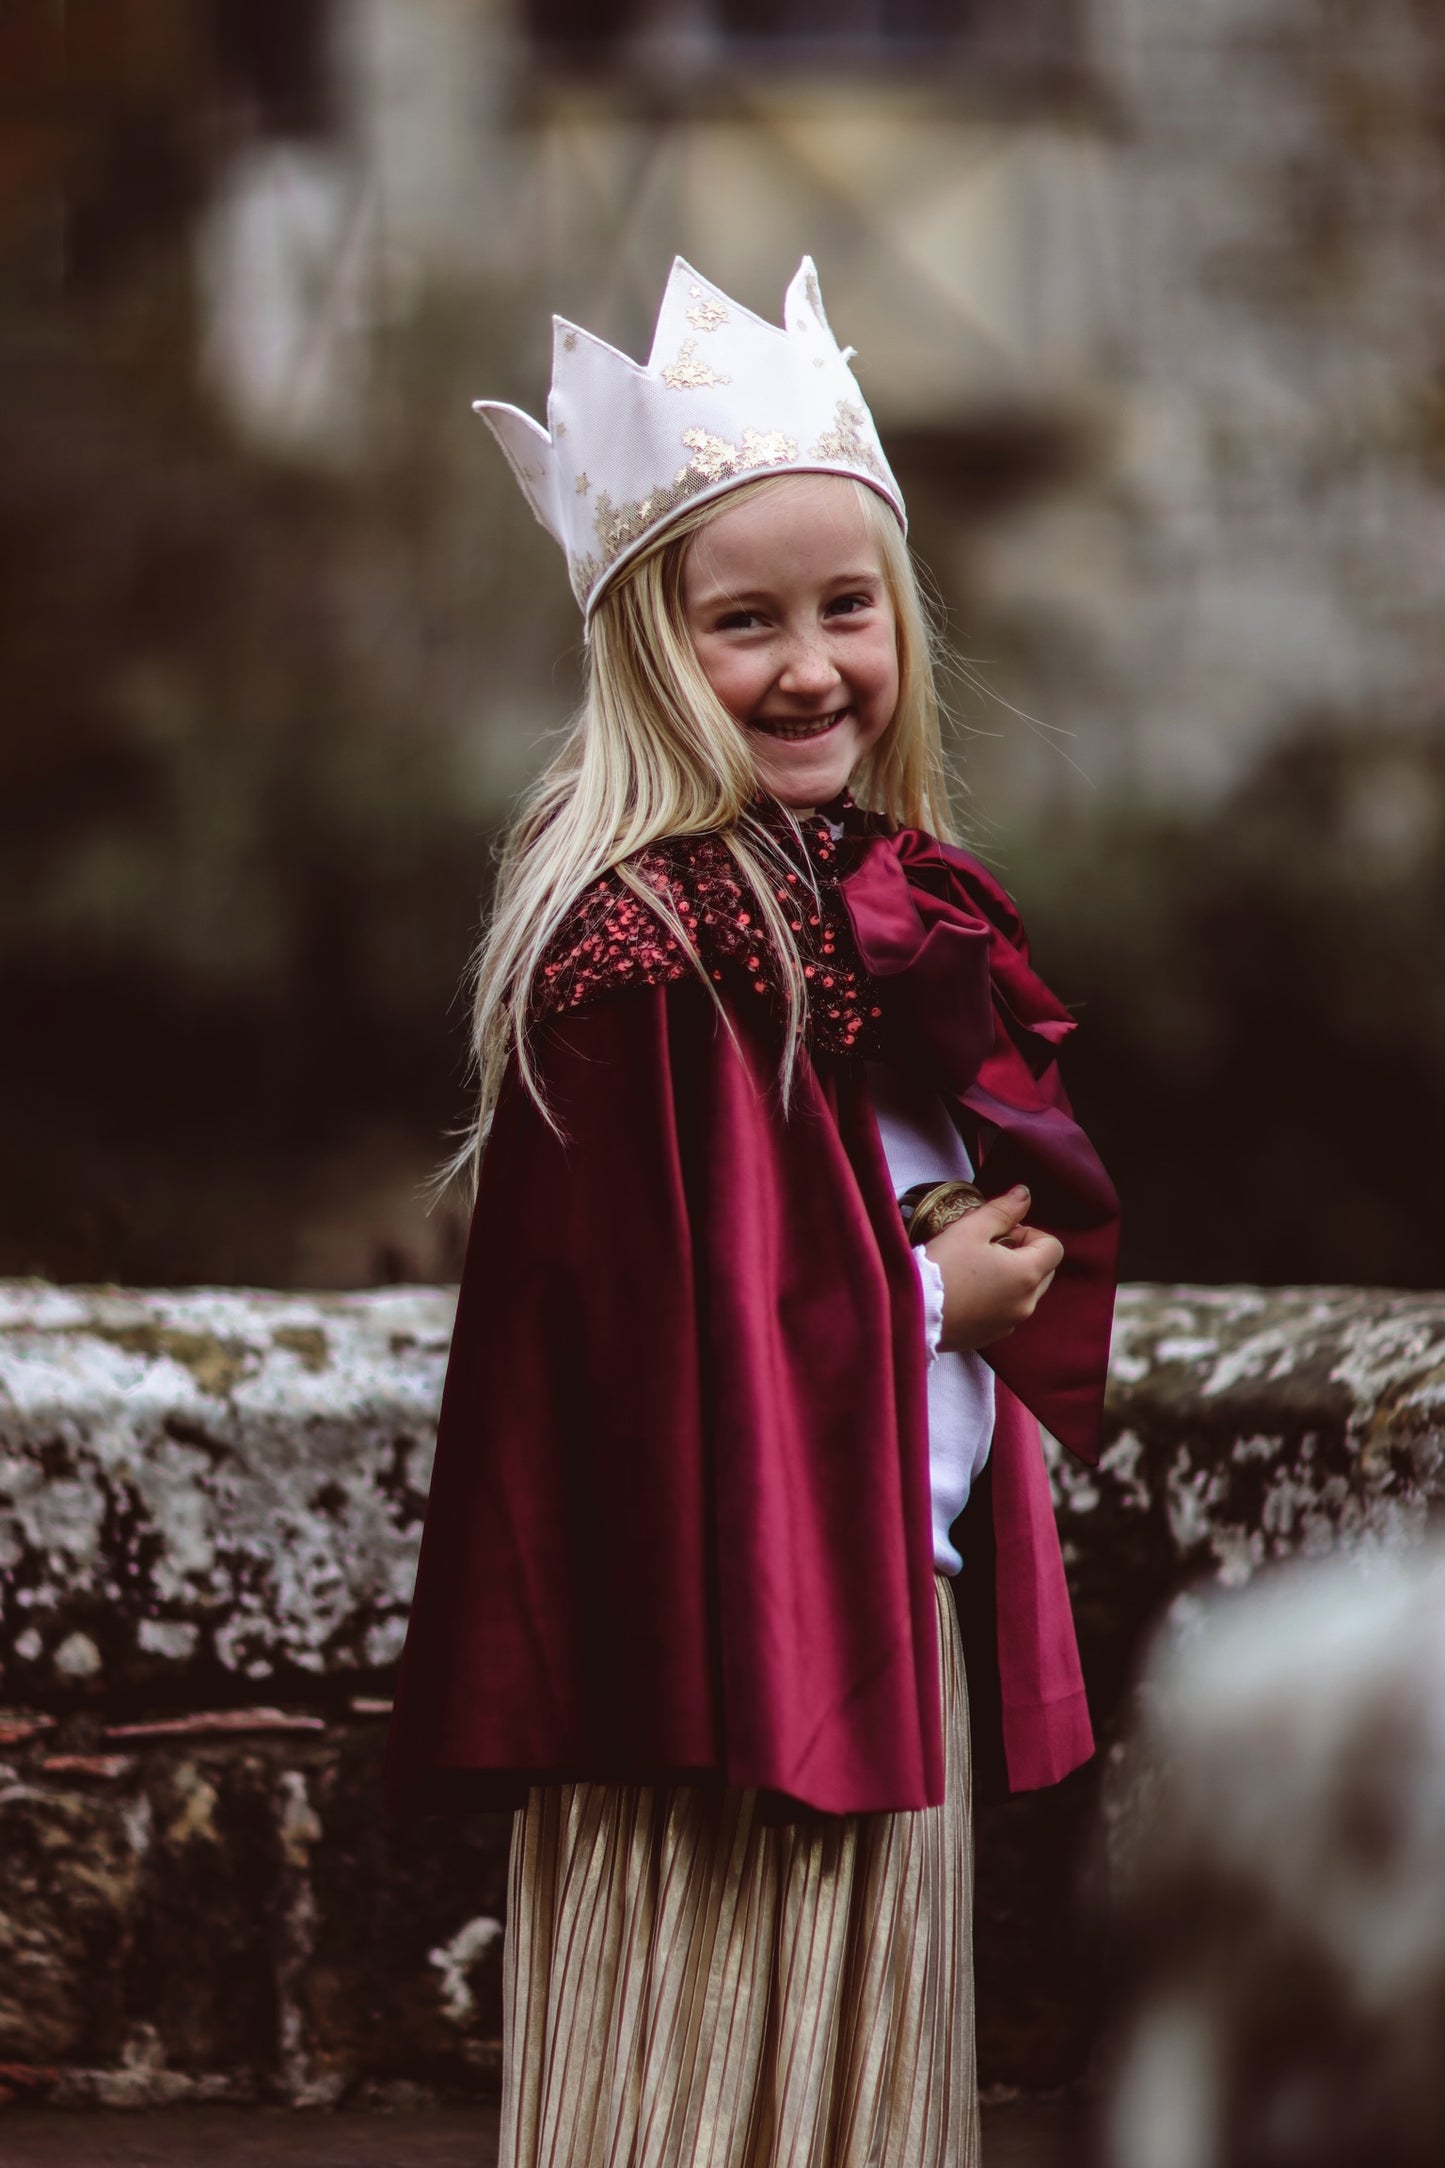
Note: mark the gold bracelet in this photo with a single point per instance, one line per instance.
(929, 1207)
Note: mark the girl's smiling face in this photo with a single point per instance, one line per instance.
(788, 609)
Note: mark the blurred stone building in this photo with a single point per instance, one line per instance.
(1150, 305)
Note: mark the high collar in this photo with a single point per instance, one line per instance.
(826, 831)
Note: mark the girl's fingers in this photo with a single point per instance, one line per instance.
(998, 1220)
(1036, 1252)
(995, 1275)
(1034, 1238)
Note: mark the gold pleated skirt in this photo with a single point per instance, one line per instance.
(688, 1987)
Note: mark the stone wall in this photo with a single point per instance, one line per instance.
(209, 1507)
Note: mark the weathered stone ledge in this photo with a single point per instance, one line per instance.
(1246, 1425)
(208, 1492)
(205, 1490)
(209, 1509)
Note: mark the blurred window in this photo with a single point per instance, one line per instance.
(603, 33)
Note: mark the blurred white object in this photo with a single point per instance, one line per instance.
(285, 277)
(1281, 1878)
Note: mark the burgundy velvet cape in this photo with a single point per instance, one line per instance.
(679, 1523)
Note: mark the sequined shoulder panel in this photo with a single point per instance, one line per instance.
(611, 940)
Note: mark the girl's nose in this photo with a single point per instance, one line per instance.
(808, 669)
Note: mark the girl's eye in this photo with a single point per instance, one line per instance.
(736, 621)
(847, 605)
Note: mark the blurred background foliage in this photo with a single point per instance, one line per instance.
(1150, 308)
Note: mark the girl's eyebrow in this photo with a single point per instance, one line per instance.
(743, 597)
(735, 598)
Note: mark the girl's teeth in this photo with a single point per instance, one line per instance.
(814, 729)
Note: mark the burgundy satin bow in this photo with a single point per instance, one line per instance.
(947, 948)
(932, 919)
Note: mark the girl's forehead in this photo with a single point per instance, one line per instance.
(800, 519)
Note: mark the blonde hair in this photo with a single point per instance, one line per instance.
(654, 754)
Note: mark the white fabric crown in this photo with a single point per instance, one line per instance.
(724, 398)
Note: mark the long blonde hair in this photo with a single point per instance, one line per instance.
(654, 754)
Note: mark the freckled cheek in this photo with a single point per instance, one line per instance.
(881, 698)
(715, 668)
(739, 689)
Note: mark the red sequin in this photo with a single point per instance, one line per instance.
(611, 940)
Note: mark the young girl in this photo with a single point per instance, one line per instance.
(730, 1471)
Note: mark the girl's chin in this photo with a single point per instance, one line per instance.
(803, 774)
(805, 797)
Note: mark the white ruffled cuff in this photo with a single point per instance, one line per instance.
(931, 1277)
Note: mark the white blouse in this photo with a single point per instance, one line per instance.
(922, 1145)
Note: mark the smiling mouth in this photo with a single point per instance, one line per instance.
(792, 728)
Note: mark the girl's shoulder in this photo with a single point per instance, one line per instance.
(615, 936)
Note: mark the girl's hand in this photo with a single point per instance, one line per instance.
(995, 1270)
